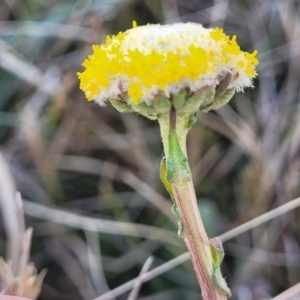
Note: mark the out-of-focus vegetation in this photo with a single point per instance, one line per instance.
(88, 175)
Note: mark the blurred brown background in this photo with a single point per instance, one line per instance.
(88, 175)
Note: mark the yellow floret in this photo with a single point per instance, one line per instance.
(149, 59)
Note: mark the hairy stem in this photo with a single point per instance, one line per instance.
(194, 233)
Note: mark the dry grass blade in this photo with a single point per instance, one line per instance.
(293, 293)
(263, 256)
(218, 13)
(70, 265)
(272, 214)
(95, 262)
(97, 225)
(44, 29)
(18, 276)
(93, 166)
(22, 69)
(137, 286)
(224, 237)
(128, 260)
(149, 193)
(14, 226)
(145, 277)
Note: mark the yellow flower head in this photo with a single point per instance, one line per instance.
(152, 60)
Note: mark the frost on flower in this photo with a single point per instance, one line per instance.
(149, 64)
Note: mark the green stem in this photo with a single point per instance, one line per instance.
(174, 130)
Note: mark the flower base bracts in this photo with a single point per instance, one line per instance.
(185, 102)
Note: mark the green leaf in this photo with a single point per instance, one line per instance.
(178, 170)
(217, 254)
(168, 186)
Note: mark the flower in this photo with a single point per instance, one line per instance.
(146, 62)
(169, 73)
